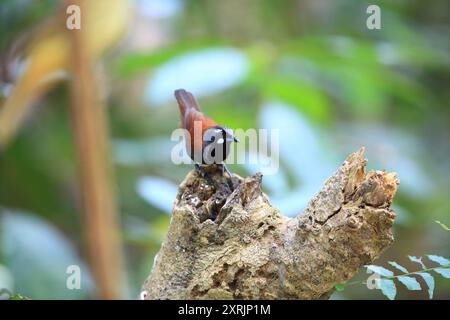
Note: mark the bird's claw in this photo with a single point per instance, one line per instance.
(199, 170)
(225, 168)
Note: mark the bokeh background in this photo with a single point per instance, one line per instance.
(310, 68)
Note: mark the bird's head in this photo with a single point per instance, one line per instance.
(218, 138)
(219, 135)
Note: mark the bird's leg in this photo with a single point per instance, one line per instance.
(224, 168)
(199, 170)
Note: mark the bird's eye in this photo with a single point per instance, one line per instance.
(212, 135)
(209, 136)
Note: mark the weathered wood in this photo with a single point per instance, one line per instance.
(251, 251)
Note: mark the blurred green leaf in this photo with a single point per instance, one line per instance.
(443, 225)
(438, 259)
(308, 99)
(37, 254)
(135, 62)
(445, 272)
(410, 282)
(380, 270)
(399, 267)
(429, 280)
(339, 287)
(388, 288)
(18, 296)
(417, 260)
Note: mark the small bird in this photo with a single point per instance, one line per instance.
(207, 142)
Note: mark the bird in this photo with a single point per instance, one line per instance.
(47, 58)
(207, 142)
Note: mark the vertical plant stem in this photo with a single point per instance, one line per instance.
(93, 149)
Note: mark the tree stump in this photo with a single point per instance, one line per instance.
(226, 241)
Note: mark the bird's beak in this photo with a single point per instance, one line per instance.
(235, 139)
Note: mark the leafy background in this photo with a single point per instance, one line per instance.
(309, 68)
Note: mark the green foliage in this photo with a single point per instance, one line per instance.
(399, 267)
(380, 270)
(429, 280)
(445, 272)
(385, 279)
(323, 64)
(387, 287)
(6, 294)
(443, 225)
(133, 63)
(417, 260)
(438, 259)
(387, 284)
(339, 287)
(410, 282)
(18, 296)
(309, 99)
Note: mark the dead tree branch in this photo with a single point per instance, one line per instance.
(251, 251)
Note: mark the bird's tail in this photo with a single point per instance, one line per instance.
(185, 101)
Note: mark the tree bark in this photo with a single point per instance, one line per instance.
(226, 241)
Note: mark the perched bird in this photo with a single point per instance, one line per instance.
(207, 142)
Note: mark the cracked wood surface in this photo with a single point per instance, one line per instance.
(251, 251)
